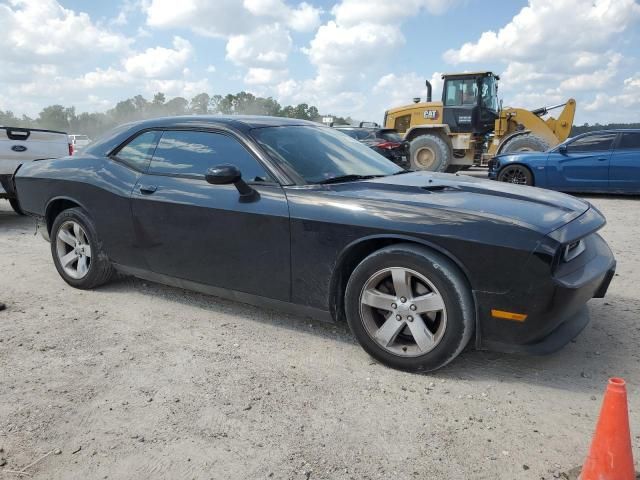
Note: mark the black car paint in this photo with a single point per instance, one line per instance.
(289, 246)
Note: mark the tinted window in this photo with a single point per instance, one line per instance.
(390, 136)
(317, 153)
(629, 141)
(402, 123)
(192, 153)
(461, 92)
(138, 152)
(592, 143)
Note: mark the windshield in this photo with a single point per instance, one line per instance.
(490, 93)
(318, 154)
(391, 136)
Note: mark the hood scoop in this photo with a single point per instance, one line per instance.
(440, 188)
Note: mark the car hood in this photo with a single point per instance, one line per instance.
(517, 156)
(530, 207)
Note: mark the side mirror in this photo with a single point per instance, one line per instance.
(562, 149)
(223, 175)
(227, 174)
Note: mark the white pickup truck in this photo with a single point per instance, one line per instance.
(21, 145)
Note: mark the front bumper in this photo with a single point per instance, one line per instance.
(492, 173)
(556, 311)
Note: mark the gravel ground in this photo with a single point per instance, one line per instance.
(137, 380)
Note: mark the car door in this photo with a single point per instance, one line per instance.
(192, 230)
(624, 169)
(584, 165)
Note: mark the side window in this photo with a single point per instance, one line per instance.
(598, 142)
(402, 123)
(192, 153)
(630, 141)
(138, 152)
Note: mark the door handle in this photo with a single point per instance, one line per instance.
(148, 189)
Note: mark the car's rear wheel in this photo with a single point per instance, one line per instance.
(409, 307)
(77, 251)
(518, 174)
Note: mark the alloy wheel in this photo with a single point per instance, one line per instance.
(403, 311)
(514, 175)
(73, 249)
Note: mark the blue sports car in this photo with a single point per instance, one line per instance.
(606, 161)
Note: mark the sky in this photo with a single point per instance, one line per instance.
(348, 57)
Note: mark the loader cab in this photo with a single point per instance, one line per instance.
(470, 102)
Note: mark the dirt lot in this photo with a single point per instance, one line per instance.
(136, 380)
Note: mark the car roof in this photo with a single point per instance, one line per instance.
(239, 122)
(612, 130)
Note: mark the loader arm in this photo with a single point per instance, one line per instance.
(552, 130)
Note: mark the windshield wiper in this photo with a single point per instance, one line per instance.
(346, 178)
(402, 171)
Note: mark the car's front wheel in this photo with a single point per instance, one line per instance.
(518, 174)
(409, 307)
(77, 251)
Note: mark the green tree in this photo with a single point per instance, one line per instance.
(176, 106)
(56, 117)
(200, 104)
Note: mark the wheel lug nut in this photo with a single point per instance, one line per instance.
(413, 307)
(410, 318)
(393, 305)
(403, 299)
(398, 317)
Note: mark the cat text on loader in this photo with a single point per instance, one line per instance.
(469, 126)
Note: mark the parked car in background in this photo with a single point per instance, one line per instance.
(290, 214)
(602, 162)
(22, 145)
(386, 141)
(79, 142)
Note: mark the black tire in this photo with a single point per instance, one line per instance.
(516, 174)
(437, 149)
(16, 206)
(528, 142)
(100, 269)
(450, 283)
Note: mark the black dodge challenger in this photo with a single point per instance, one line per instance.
(289, 214)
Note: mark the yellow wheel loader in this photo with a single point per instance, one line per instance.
(469, 126)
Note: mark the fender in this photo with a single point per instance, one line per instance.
(440, 127)
(509, 137)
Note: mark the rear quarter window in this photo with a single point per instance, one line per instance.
(137, 152)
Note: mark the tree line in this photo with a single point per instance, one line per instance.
(578, 129)
(59, 117)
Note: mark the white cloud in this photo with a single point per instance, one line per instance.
(303, 18)
(402, 89)
(352, 47)
(557, 49)
(211, 69)
(45, 29)
(265, 76)
(353, 12)
(257, 31)
(551, 26)
(160, 61)
(267, 46)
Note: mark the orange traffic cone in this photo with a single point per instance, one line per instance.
(610, 456)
